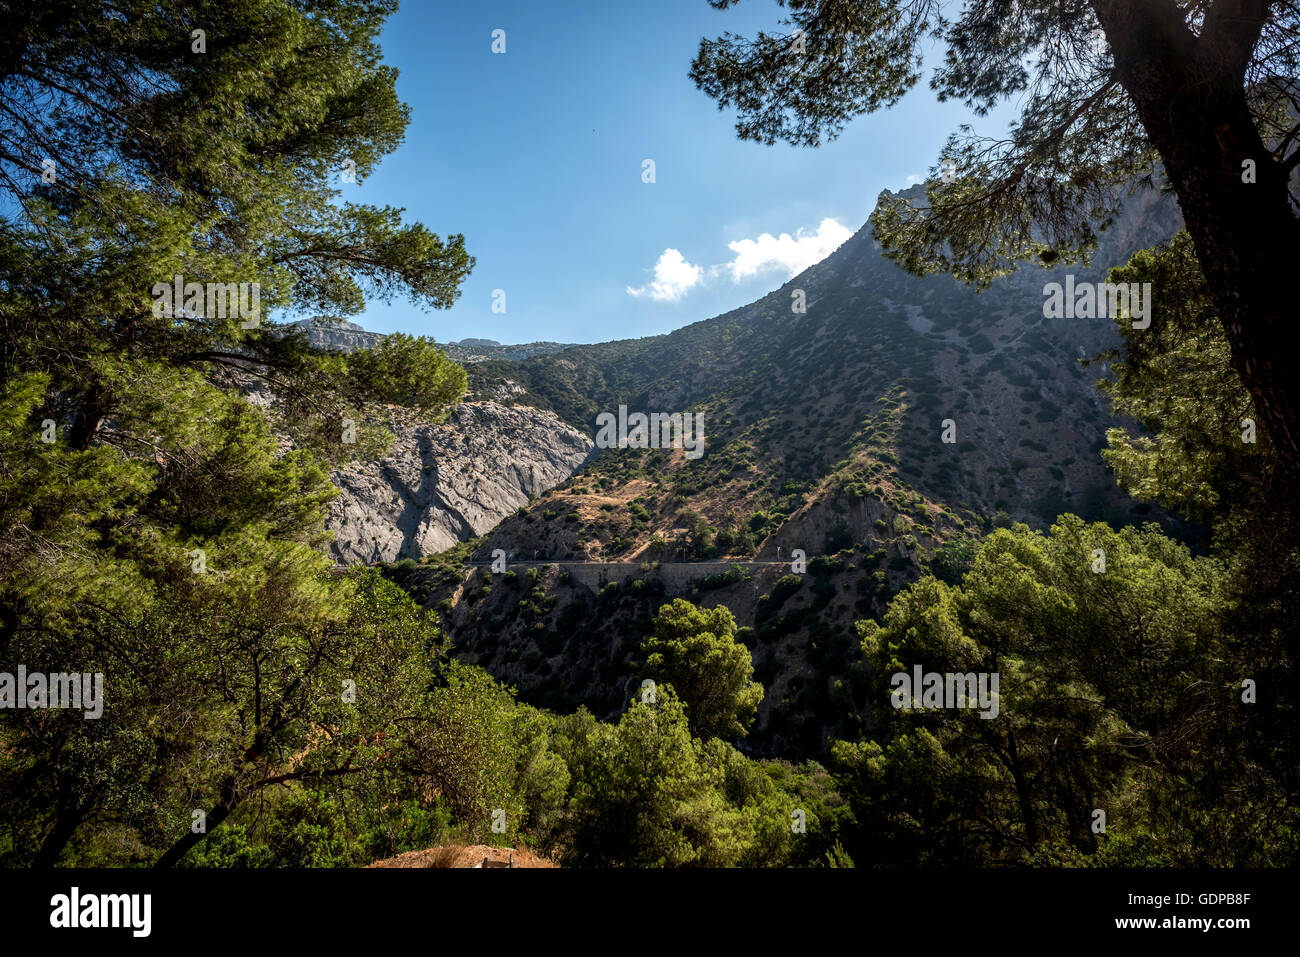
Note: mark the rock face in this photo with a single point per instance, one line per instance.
(332, 332)
(441, 484)
(339, 334)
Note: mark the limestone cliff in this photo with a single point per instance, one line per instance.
(443, 483)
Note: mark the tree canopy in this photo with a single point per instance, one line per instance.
(1202, 95)
(164, 463)
(695, 651)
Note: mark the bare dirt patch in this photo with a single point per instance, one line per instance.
(457, 855)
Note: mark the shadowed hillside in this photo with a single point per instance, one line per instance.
(824, 432)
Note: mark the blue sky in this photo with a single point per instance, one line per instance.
(536, 156)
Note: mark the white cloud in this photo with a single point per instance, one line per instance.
(793, 254)
(673, 276)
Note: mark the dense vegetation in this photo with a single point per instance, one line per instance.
(156, 530)
(261, 710)
(1146, 714)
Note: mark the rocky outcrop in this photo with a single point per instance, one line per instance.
(332, 332)
(324, 332)
(441, 484)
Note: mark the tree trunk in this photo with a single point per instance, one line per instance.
(1190, 97)
(87, 420)
(66, 822)
(1248, 244)
(1023, 796)
(214, 817)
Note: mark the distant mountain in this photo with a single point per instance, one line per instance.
(483, 350)
(824, 432)
(446, 482)
(851, 397)
(332, 332)
(327, 332)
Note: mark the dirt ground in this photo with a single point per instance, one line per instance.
(453, 855)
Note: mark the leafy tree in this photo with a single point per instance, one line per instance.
(163, 534)
(1117, 692)
(792, 813)
(309, 830)
(464, 746)
(299, 828)
(1194, 456)
(1199, 453)
(647, 793)
(229, 848)
(209, 703)
(285, 96)
(1108, 88)
(53, 504)
(694, 650)
(542, 778)
(214, 165)
(698, 538)
(952, 559)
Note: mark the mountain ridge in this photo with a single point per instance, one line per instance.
(825, 432)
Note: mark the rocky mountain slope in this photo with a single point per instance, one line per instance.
(847, 402)
(879, 431)
(441, 484)
(325, 332)
(825, 431)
